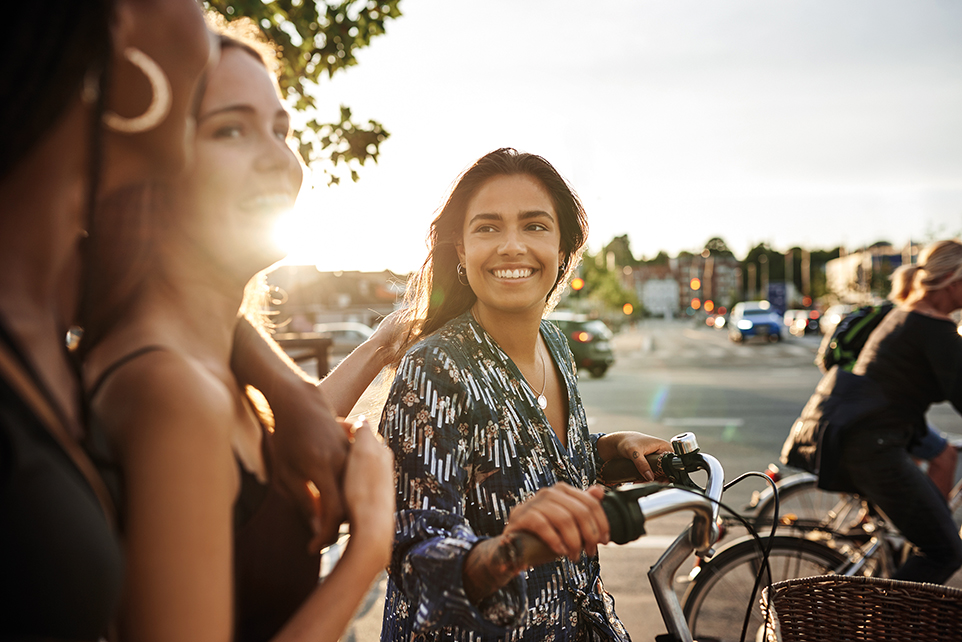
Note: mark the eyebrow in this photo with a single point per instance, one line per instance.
(486, 216)
(247, 109)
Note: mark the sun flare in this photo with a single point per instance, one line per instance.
(299, 232)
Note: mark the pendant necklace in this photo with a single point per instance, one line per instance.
(542, 401)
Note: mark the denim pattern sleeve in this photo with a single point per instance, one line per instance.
(426, 422)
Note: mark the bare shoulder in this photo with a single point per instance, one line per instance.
(164, 394)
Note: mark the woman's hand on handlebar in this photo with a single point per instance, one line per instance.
(557, 521)
(565, 518)
(633, 446)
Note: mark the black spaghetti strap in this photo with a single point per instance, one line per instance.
(112, 368)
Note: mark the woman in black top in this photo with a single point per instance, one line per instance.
(915, 358)
(60, 562)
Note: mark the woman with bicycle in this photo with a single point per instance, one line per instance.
(914, 358)
(487, 427)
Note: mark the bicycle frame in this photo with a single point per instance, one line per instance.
(698, 538)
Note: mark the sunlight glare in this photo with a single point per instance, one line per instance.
(299, 232)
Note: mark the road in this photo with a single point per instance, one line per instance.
(672, 377)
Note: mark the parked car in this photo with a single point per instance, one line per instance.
(754, 319)
(801, 322)
(345, 336)
(589, 340)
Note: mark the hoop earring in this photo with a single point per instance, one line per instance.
(160, 97)
(462, 275)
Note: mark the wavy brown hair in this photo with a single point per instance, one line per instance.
(434, 294)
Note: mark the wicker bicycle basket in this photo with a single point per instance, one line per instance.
(862, 609)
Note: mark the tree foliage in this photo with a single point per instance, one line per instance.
(717, 247)
(603, 288)
(319, 38)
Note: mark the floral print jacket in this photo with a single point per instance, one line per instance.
(470, 442)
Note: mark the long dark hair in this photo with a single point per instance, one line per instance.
(434, 294)
(48, 51)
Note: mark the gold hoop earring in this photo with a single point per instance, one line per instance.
(462, 275)
(160, 97)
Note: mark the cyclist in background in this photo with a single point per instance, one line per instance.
(915, 359)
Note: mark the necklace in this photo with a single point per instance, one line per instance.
(542, 401)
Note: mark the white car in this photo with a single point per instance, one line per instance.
(345, 336)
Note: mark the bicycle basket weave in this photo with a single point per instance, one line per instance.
(863, 609)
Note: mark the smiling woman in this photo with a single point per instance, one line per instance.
(487, 426)
(216, 546)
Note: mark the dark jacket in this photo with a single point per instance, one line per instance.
(841, 400)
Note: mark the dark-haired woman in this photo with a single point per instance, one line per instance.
(80, 81)
(487, 427)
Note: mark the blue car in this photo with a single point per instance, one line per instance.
(754, 319)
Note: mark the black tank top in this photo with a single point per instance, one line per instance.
(273, 572)
(61, 566)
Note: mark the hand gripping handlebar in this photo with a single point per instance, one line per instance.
(628, 507)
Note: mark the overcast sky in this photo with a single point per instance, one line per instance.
(812, 123)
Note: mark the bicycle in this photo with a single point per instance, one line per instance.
(628, 507)
(830, 533)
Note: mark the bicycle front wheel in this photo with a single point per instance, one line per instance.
(718, 597)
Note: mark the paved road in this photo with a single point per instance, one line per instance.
(674, 377)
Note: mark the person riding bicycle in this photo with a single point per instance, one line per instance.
(912, 360)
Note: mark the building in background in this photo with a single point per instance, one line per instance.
(700, 282)
(862, 277)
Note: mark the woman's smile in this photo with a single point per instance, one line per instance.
(513, 275)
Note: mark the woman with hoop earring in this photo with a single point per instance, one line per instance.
(61, 566)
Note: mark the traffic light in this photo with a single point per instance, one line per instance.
(709, 305)
(577, 285)
(628, 308)
(695, 303)
(695, 283)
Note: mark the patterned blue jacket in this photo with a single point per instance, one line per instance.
(470, 442)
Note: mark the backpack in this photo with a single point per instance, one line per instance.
(848, 339)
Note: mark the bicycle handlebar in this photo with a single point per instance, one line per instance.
(628, 507)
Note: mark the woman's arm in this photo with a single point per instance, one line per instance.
(432, 443)
(170, 424)
(369, 491)
(350, 378)
(566, 519)
(310, 444)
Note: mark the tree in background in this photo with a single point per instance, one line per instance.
(603, 293)
(318, 38)
(620, 248)
(717, 247)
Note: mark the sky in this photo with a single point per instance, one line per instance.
(813, 123)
